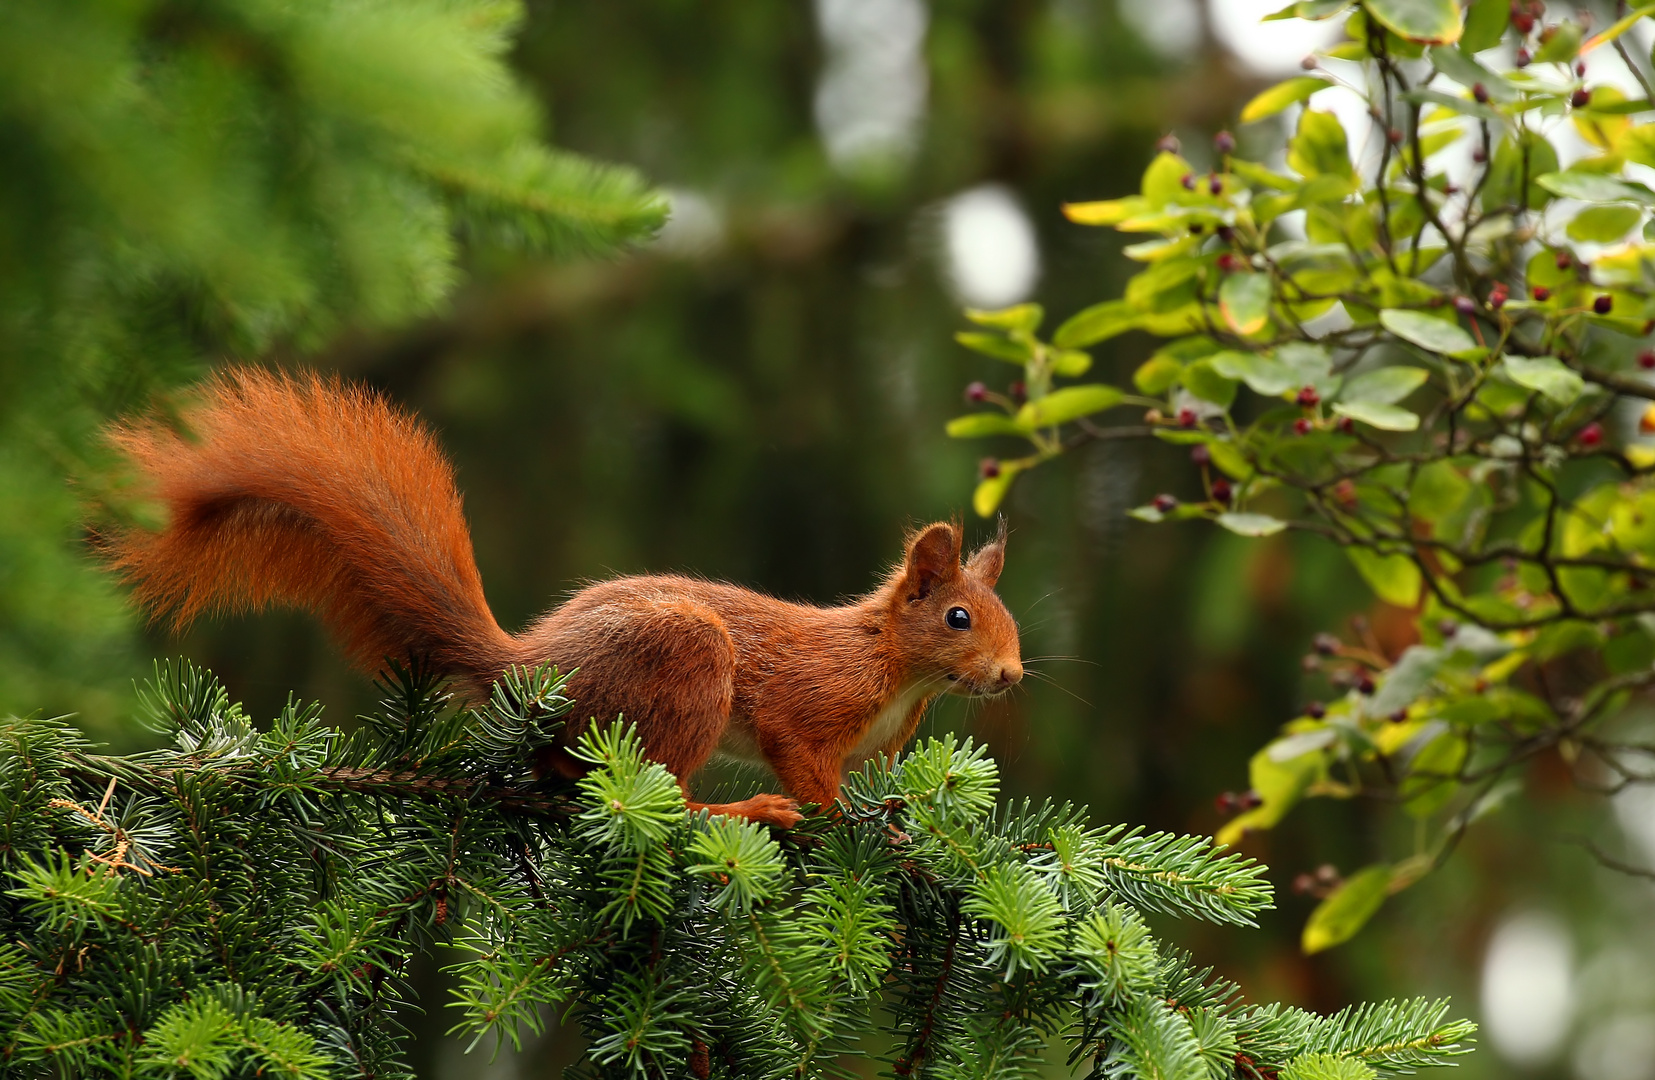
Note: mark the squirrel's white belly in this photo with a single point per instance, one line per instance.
(886, 725)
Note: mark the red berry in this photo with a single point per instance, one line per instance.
(1479, 155)
(1187, 418)
(1201, 455)
(1365, 685)
(1480, 92)
(1398, 717)
(1017, 391)
(1603, 303)
(1580, 98)
(1167, 144)
(1326, 644)
(1248, 799)
(1227, 802)
(1580, 67)
(1188, 180)
(1302, 426)
(1228, 263)
(1166, 504)
(1308, 398)
(988, 468)
(1564, 260)
(1224, 142)
(1646, 359)
(1591, 435)
(1315, 710)
(1523, 59)
(1346, 425)
(1523, 21)
(1221, 491)
(1310, 63)
(976, 392)
(1465, 305)
(1215, 184)
(1541, 293)
(1394, 135)
(1226, 234)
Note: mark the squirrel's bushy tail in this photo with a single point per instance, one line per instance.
(299, 490)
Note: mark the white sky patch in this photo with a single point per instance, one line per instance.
(1528, 988)
(991, 254)
(1271, 48)
(870, 98)
(1171, 27)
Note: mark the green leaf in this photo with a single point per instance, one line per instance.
(1280, 784)
(1251, 524)
(1604, 224)
(1427, 331)
(1485, 25)
(1264, 374)
(1384, 417)
(1385, 386)
(1546, 374)
(1587, 186)
(1024, 317)
(990, 491)
(1320, 148)
(1229, 460)
(1617, 28)
(1100, 322)
(1429, 783)
(997, 346)
(1466, 71)
(1562, 46)
(1202, 380)
(1429, 22)
(1529, 155)
(979, 425)
(1395, 579)
(1157, 375)
(1280, 96)
(1346, 909)
(1244, 301)
(1105, 212)
(1071, 362)
(1408, 678)
(1069, 403)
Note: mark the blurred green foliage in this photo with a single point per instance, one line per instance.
(760, 402)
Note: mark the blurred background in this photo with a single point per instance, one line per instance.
(758, 396)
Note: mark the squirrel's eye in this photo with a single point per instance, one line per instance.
(958, 618)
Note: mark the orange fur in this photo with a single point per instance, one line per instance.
(304, 492)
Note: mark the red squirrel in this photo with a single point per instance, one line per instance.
(298, 490)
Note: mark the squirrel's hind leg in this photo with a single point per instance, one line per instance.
(668, 665)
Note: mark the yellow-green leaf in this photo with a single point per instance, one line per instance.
(1604, 224)
(1071, 362)
(1546, 374)
(1320, 147)
(986, 499)
(996, 345)
(1485, 24)
(1384, 417)
(1427, 331)
(1395, 579)
(1107, 212)
(1100, 322)
(1346, 909)
(1617, 28)
(1252, 524)
(980, 425)
(1157, 375)
(1024, 317)
(1429, 22)
(1069, 403)
(1280, 96)
(1244, 301)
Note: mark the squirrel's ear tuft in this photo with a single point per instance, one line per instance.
(933, 557)
(985, 565)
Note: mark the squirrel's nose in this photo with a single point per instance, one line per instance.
(1011, 673)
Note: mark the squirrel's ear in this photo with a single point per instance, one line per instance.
(933, 557)
(985, 565)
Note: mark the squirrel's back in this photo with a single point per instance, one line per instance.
(298, 490)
